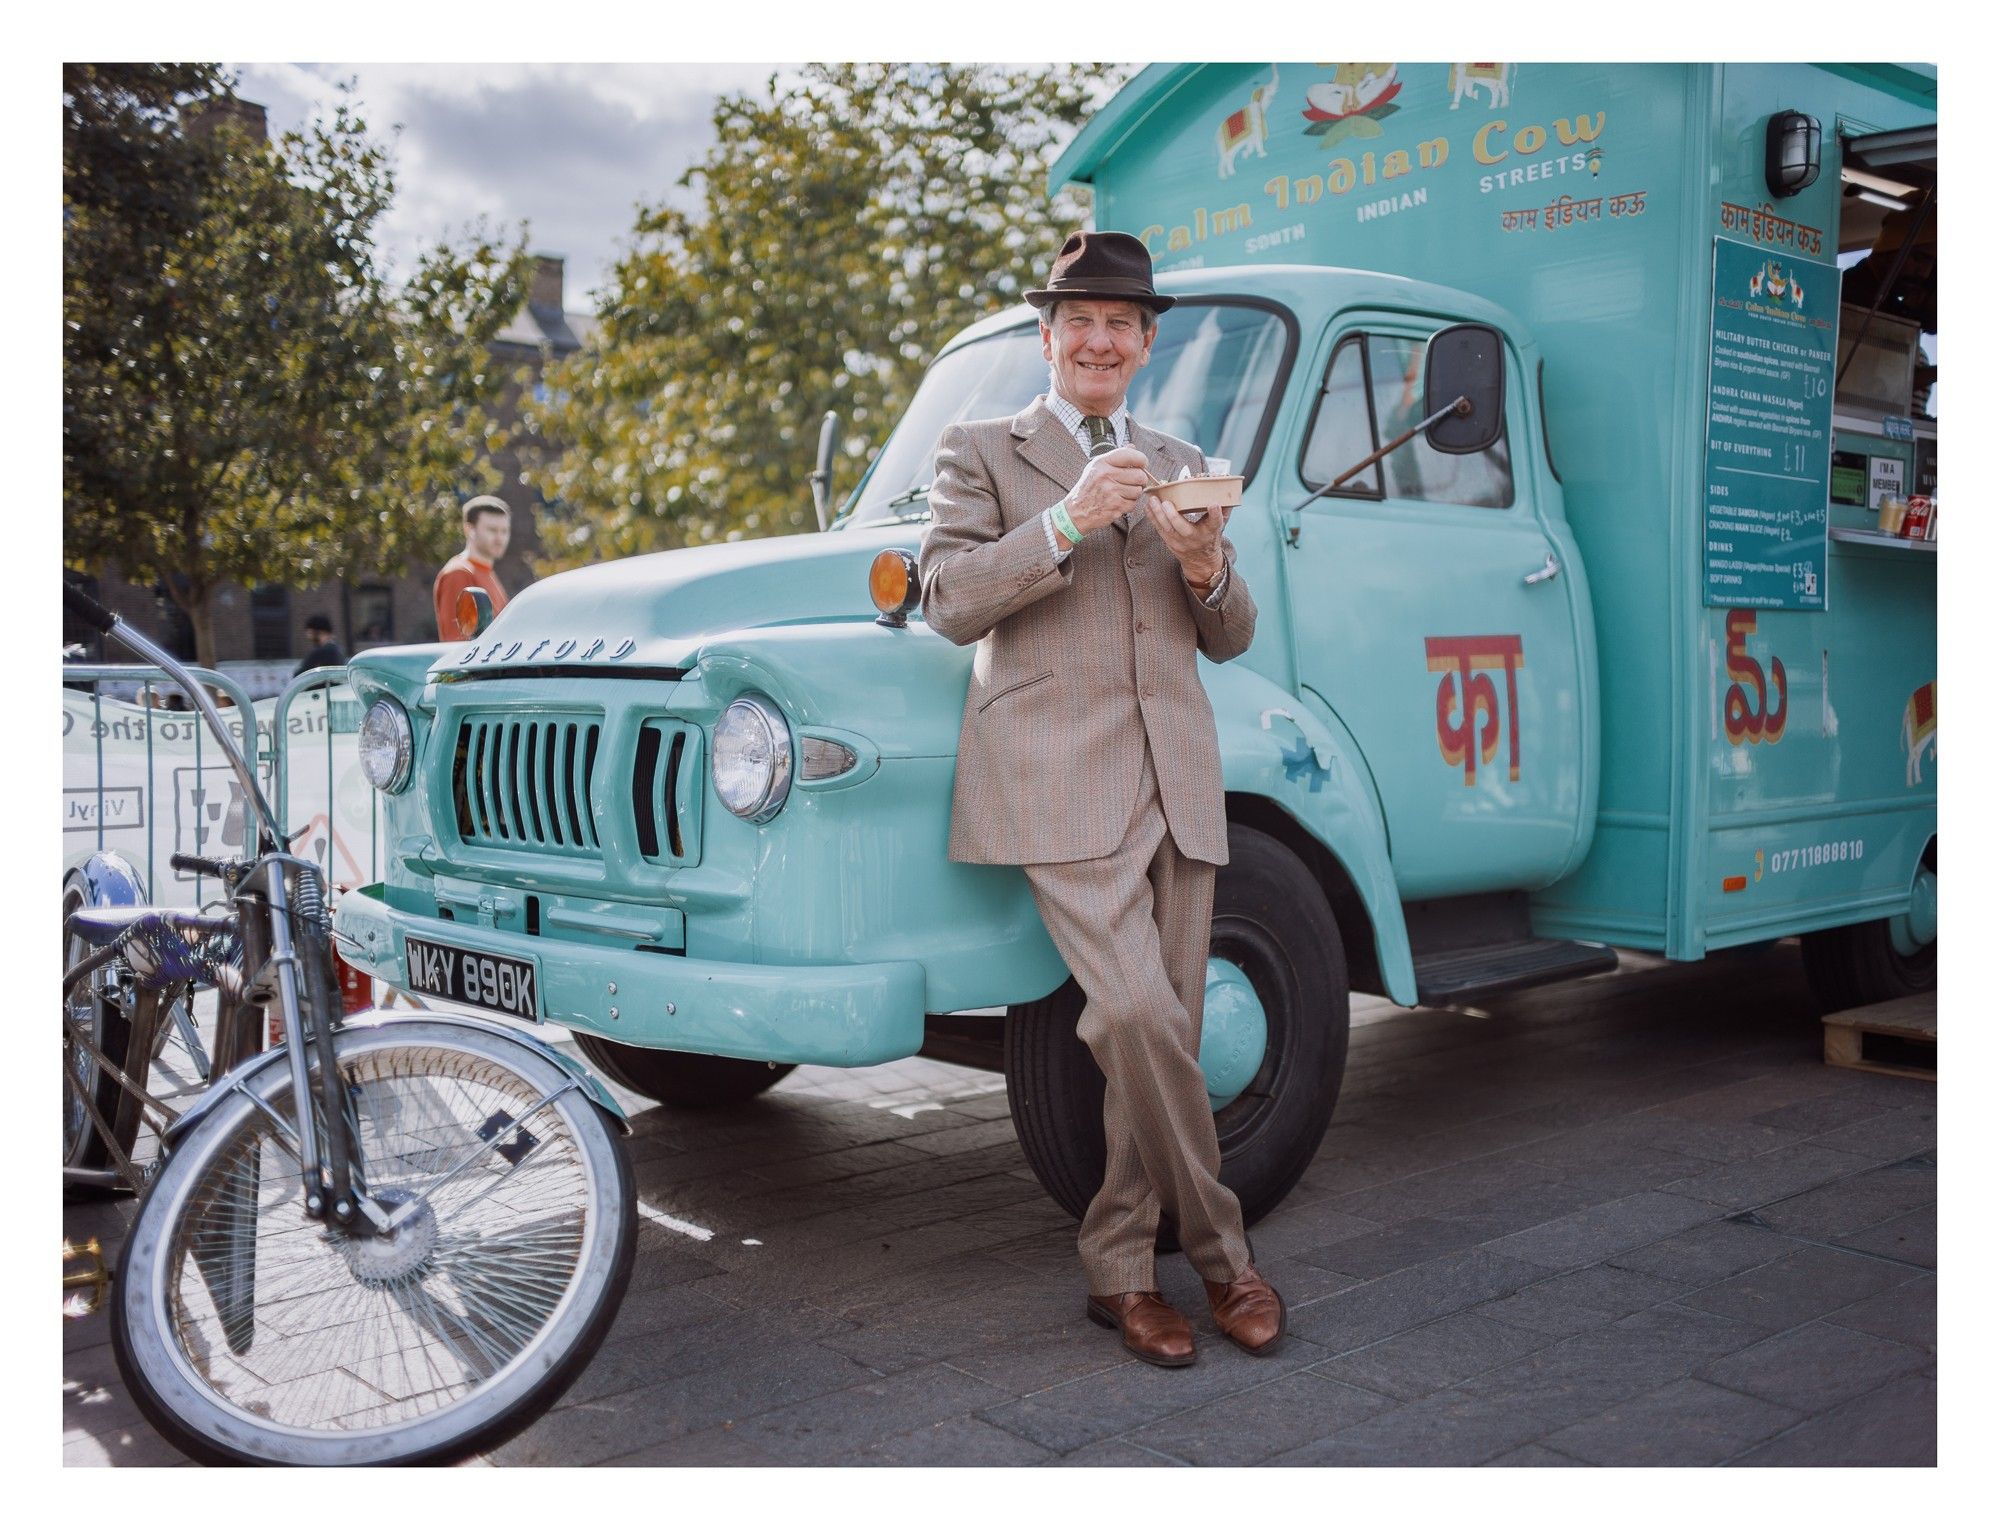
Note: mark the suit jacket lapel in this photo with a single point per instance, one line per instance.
(1159, 459)
(1045, 446)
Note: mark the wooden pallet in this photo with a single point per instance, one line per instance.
(1910, 1020)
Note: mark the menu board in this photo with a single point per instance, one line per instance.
(1770, 428)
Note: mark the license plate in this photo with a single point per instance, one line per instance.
(472, 977)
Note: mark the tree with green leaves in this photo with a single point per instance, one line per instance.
(246, 396)
(849, 222)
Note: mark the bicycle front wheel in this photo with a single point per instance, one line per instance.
(251, 1333)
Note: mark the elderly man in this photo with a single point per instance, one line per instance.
(1088, 757)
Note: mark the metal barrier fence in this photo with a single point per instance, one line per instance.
(149, 781)
(356, 821)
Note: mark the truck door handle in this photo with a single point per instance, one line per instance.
(1549, 569)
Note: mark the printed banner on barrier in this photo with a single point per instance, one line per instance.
(148, 782)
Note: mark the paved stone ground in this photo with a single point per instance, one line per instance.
(1630, 1221)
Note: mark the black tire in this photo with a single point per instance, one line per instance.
(111, 1025)
(687, 1080)
(188, 1375)
(1858, 964)
(1273, 921)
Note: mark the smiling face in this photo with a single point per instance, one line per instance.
(1094, 348)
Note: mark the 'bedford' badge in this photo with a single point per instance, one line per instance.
(508, 653)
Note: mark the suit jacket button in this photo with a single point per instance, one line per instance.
(1139, 627)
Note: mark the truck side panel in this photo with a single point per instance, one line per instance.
(1819, 816)
(1585, 200)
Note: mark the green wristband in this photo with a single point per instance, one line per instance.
(1060, 515)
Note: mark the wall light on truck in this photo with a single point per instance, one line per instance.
(387, 747)
(1791, 153)
(752, 760)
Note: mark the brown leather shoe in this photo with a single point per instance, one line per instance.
(1154, 1330)
(1249, 1311)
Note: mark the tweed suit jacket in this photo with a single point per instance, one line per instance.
(1081, 664)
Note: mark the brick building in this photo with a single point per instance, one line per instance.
(264, 625)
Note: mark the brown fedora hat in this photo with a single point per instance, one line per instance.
(1108, 265)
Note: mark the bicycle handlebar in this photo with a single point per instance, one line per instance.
(85, 609)
(200, 865)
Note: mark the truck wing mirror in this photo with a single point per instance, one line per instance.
(821, 477)
(474, 609)
(1465, 361)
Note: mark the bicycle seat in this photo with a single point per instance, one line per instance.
(112, 922)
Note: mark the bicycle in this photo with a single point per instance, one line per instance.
(378, 1242)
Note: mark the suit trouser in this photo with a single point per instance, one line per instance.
(1133, 927)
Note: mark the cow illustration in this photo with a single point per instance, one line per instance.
(1354, 88)
(1247, 128)
(1497, 80)
(1919, 732)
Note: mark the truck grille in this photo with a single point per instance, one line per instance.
(525, 784)
(666, 792)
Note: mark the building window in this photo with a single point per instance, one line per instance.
(176, 626)
(271, 634)
(73, 629)
(374, 615)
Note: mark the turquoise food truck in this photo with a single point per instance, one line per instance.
(1655, 668)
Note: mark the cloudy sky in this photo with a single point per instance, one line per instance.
(570, 148)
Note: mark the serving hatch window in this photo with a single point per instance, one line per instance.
(1375, 392)
(1213, 379)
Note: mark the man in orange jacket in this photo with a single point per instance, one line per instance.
(488, 526)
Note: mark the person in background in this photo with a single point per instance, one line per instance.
(488, 526)
(321, 649)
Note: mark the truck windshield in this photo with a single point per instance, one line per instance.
(1212, 380)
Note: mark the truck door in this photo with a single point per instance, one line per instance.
(1428, 618)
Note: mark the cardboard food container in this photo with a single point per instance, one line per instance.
(1195, 497)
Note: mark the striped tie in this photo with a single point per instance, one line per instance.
(1099, 430)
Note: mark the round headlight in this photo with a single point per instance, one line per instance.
(753, 758)
(386, 746)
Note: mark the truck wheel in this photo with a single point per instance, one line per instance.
(1859, 964)
(687, 1079)
(1274, 1042)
